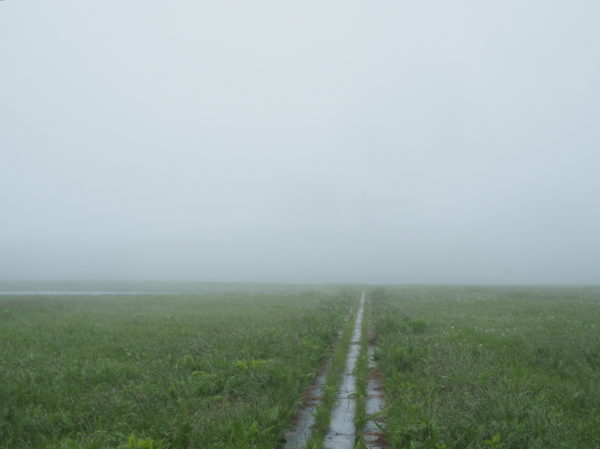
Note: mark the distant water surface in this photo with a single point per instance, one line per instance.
(81, 293)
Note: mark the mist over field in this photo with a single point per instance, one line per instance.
(316, 141)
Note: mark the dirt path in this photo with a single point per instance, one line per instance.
(298, 437)
(304, 420)
(342, 431)
(374, 404)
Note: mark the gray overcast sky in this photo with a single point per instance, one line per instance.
(309, 141)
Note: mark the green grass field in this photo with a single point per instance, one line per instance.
(507, 368)
(220, 371)
(462, 367)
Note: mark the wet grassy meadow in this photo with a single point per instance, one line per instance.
(479, 367)
(154, 371)
(460, 367)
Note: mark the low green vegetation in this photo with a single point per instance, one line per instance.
(490, 368)
(157, 372)
(335, 373)
(463, 367)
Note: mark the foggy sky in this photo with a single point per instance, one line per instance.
(311, 141)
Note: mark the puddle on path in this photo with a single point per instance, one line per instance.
(342, 432)
(297, 438)
(373, 436)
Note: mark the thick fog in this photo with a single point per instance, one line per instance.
(310, 141)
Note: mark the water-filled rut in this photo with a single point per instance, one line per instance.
(298, 437)
(374, 404)
(342, 430)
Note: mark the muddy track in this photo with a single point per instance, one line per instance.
(373, 436)
(342, 432)
(300, 434)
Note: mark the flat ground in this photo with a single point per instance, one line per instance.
(462, 367)
(219, 371)
(490, 367)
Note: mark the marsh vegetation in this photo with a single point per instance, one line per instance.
(479, 367)
(461, 367)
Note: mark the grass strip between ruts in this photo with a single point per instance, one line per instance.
(334, 377)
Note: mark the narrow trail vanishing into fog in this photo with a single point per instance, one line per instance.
(342, 430)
